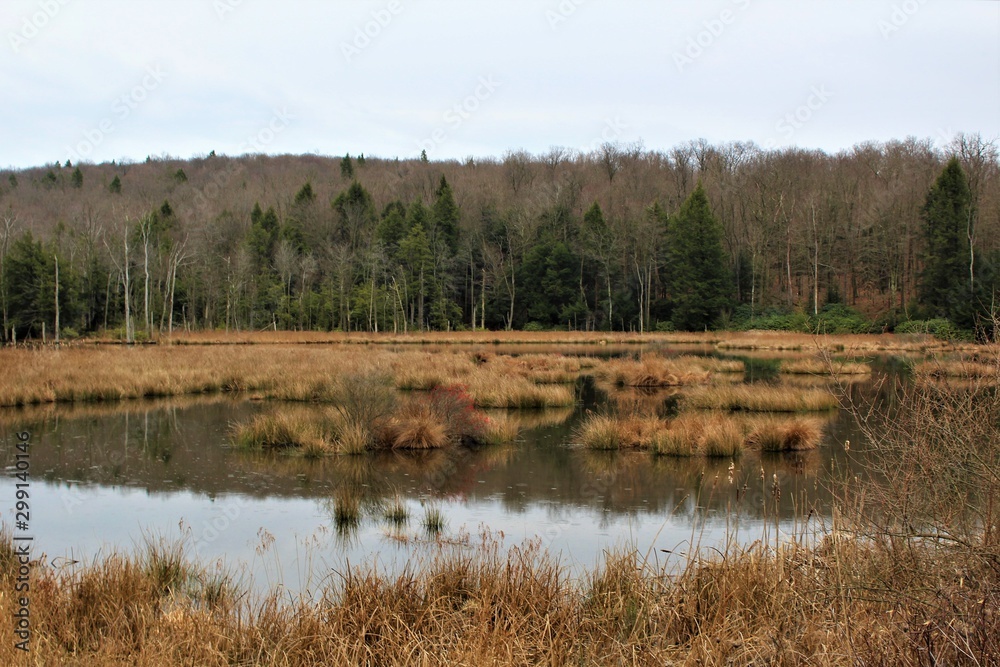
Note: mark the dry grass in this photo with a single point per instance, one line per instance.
(956, 369)
(603, 431)
(415, 427)
(813, 366)
(785, 436)
(843, 603)
(760, 398)
(278, 430)
(688, 435)
(654, 371)
(499, 429)
(495, 389)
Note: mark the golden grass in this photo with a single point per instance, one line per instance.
(427, 370)
(845, 602)
(277, 430)
(959, 369)
(603, 431)
(495, 389)
(540, 368)
(813, 366)
(653, 371)
(414, 427)
(786, 436)
(760, 398)
(499, 429)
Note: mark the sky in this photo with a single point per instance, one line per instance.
(102, 80)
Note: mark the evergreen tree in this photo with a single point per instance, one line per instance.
(416, 259)
(446, 216)
(30, 268)
(76, 180)
(355, 213)
(346, 168)
(697, 272)
(180, 176)
(392, 227)
(945, 283)
(115, 186)
(305, 195)
(263, 236)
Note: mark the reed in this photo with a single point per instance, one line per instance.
(956, 369)
(395, 512)
(499, 429)
(489, 604)
(786, 436)
(414, 427)
(492, 389)
(654, 371)
(813, 366)
(346, 511)
(433, 520)
(720, 437)
(760, 398)
(276, 430)
(604, 431)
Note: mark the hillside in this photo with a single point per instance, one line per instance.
(585, 241)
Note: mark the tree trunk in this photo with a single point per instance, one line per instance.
(56, 257)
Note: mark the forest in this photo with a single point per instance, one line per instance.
(893, 236)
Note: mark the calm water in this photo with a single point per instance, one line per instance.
(105, 478)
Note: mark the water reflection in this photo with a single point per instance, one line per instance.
(103, 474)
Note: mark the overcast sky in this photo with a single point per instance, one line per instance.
(97, 80)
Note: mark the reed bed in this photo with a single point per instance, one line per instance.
(654, 371)
(861, 343)
(427, 370)
(106, 373)
(444, 418)
(791, 435)
(642, 400)
(844, 602)
(700, 433)
(956, 369)
(760, 398)
(494, 388)
(813, 366)
(541, 368)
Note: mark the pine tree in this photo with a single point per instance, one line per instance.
(697, 272)
(76, 180)
(346, 168)
(445, 216)
(115, 186)
(945, 283)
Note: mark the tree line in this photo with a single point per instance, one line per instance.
(620, 238)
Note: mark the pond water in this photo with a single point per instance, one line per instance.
(108, 477)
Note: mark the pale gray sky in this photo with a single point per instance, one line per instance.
(110, 79)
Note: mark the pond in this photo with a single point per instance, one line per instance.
(107, 477)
